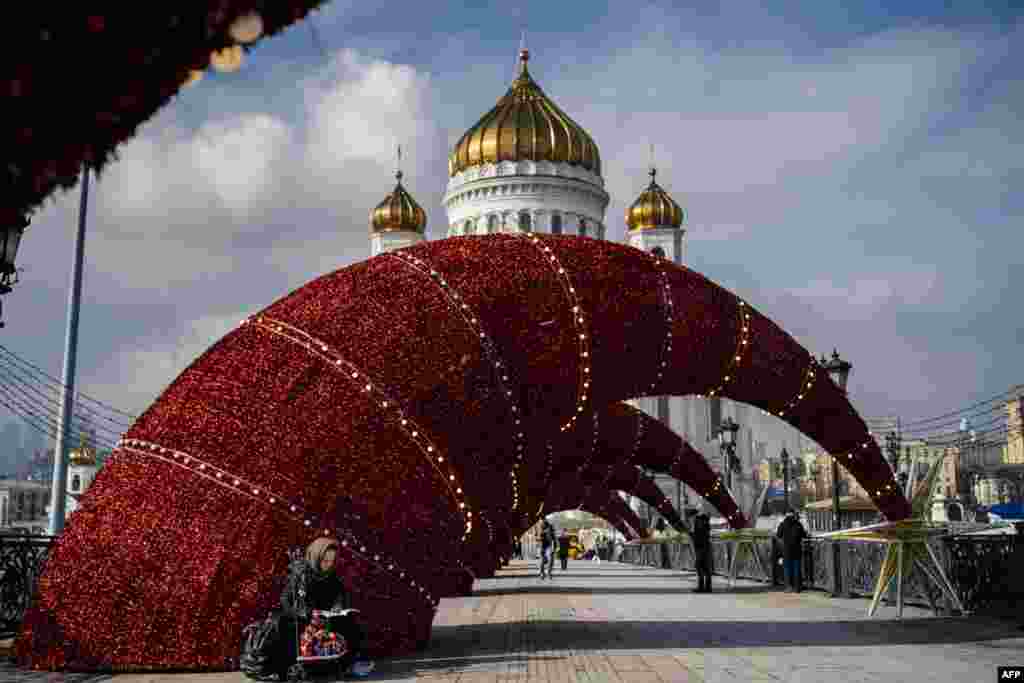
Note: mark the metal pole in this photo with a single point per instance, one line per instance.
(785, 481)
(836, 573)
(60, 471)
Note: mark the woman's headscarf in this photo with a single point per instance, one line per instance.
(316, 551)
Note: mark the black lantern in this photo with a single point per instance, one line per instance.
(727, 440)
(839, 370)
(10, 240)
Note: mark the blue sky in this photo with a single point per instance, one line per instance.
(850, 169)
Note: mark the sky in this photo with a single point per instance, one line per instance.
(852, 172)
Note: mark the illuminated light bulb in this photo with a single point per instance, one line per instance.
(430, 449)
(355, 374)
(246, 28)
(415, 433)
(368, 387)
(451, 477)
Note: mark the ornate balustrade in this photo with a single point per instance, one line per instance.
(21, 562)
(987, 572)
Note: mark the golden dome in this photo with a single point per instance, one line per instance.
(398, 211)
(82, 456)
(525, 125)
(654, 209)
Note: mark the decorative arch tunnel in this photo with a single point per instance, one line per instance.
(418, 406)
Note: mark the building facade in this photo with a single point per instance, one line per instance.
(526, 166)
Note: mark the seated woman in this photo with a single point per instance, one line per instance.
(313, 584)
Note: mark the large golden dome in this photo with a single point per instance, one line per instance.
(654, 209)
(525, 125)
(398, 211)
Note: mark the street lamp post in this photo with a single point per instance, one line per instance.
(60, 454)
(727, 444)
(785, 478)
(839, 370)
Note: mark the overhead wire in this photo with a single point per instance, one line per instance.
(78, 395)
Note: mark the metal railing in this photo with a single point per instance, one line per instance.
(987, 572)
(22, 558)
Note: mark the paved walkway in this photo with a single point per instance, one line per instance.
(616, 622)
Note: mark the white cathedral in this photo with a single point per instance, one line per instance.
(527, 167)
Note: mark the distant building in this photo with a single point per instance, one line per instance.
(23, 504)
(82, 470)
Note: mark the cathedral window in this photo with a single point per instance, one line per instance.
(467, 228)
(556, 224)
(524, 222)
(583, 228)
(492, 224)
(659, 252)
(76, 483)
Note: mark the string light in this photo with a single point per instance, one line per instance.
(501, 368)
(665, 299)
(805, 388)
(742, 346)
(350, 372)
(242, 487)
(579, 324)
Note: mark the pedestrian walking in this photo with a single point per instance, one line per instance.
(702, 552)
(547, 549)
(792, 534)
(563, 549)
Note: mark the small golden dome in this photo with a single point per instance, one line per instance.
(398, 211)
(525, 125)
(82, 456)
(654, 209)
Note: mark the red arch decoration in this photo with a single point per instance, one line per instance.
(605, 504)
(384, 403)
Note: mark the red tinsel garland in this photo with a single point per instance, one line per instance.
(268, 440)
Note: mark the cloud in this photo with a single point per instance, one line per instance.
(137, 375)
(859, 194)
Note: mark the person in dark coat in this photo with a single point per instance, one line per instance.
(702, 551)
(313, 584)
(547, 549)
(563, 549)
(792, 534)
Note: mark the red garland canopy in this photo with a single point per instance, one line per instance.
(124, 64)
(393, 404)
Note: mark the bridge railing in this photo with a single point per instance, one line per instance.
(987, 572)
(22, 558)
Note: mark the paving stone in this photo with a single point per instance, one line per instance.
(611, 623)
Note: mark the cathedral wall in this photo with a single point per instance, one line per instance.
(488, 200)
(381, 242)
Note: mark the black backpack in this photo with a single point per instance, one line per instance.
(260, 647)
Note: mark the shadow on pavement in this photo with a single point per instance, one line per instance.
(554, 587)
(654, 635)
(436, 664)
